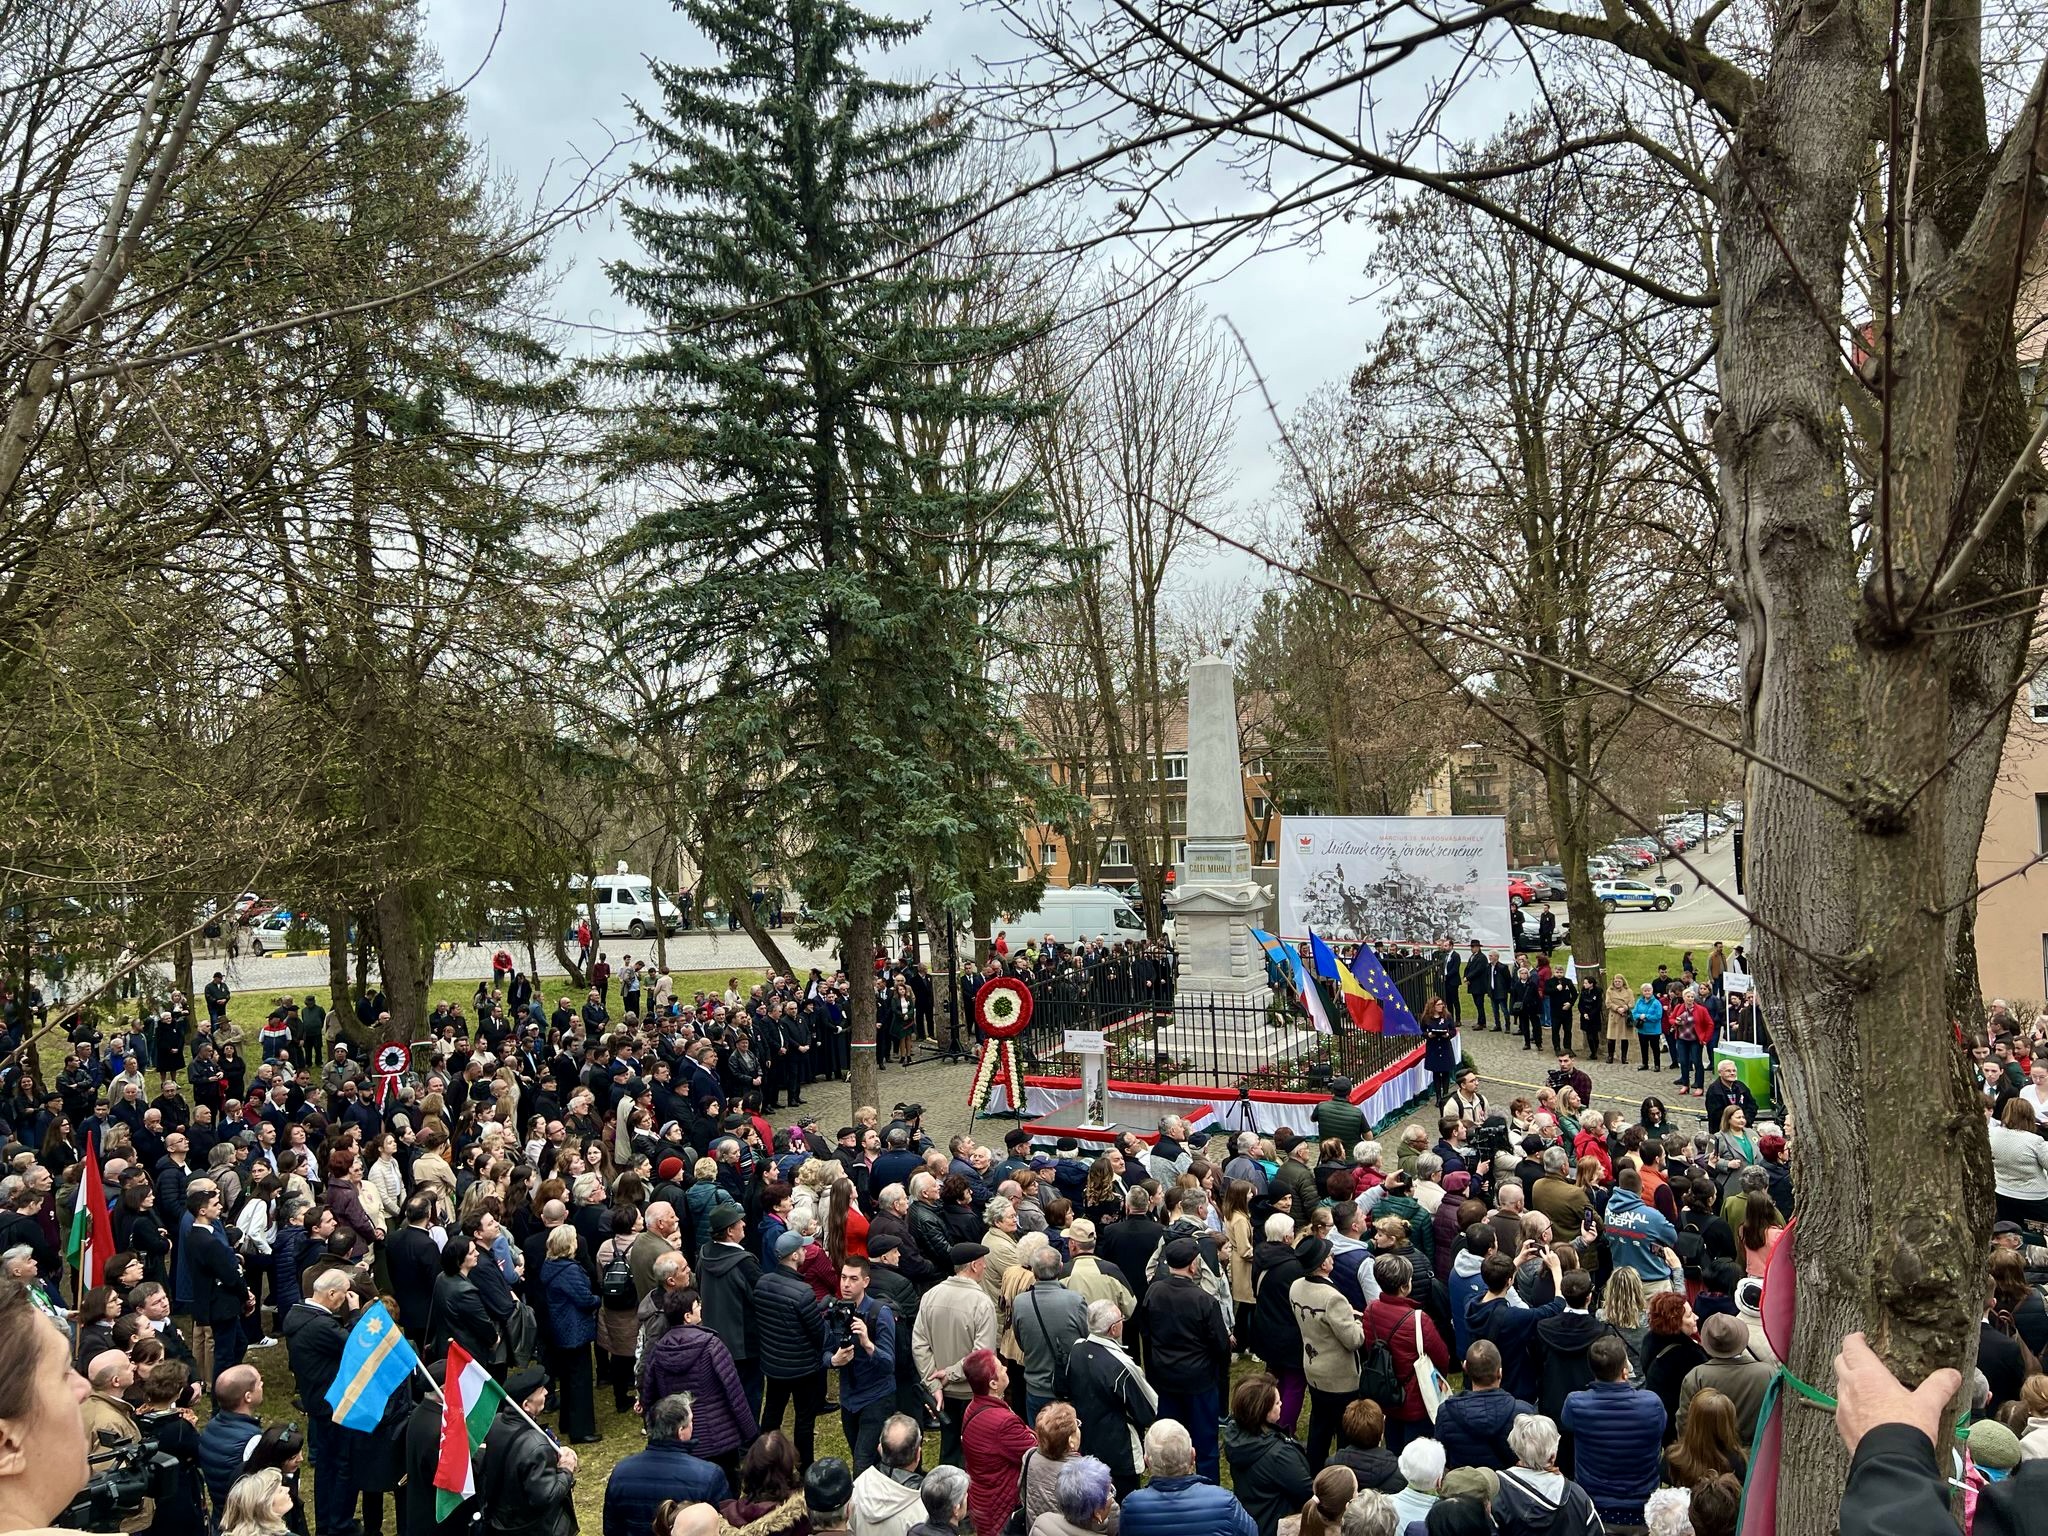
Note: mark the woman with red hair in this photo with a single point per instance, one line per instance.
(994, 1442)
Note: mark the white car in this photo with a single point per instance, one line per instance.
(1630, 896)
(268, 931)
(1600, 867)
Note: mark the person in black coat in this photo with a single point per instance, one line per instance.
(315, 1334)
(422, 1458)
(415, 1263)
(1190, 1349)
(220, 1294)
(457, 1310)
(1129, 1245)
(791, 1332)
(1114, 1402)
(526, 1483)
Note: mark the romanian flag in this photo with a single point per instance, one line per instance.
(469, 1404)
(1389, 1013)
(1365, 1013)
(91, 1242)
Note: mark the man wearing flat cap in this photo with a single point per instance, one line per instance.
(954, 1320)
(527, 1482)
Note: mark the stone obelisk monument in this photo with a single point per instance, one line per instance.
(1216, 902)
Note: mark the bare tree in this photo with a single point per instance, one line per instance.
(1875, 470)
(1145, 428)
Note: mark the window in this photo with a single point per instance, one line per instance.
(1048, 855)
(1269, 851)
(1261, 807)
(1255, 769)
(2037, 695)
(1177, 813)
(1180, 850)
(1116, 851)
(2041, 823)
(1177, 766)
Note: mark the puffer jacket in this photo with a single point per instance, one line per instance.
(1473, 1427)
(695, 1360)
(1269, 1474)
(1189, 1505)
(220, 1451)
(791, 1325)
(1617, 1432)
(1331, 1334)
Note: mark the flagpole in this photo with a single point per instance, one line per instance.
(504, 1396)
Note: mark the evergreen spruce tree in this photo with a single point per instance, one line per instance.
(799, 325)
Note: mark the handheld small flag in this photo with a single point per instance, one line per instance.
(91, 1242)
(376, 1361)
(470, 1403)
(1364, 1012)
(1395, 1018)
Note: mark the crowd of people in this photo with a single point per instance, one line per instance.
(584, 1203)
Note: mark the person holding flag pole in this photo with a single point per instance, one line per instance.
(91, 1242)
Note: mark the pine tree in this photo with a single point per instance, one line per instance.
(800, 324)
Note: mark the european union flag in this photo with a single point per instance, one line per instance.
(374, 1364)
(1395, 1016)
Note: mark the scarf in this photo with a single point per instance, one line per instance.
(1130, 1369)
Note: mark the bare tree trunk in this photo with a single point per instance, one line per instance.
(750, 921)
(181, 968)
(856, 944)
(337, 920)
(1855, 959)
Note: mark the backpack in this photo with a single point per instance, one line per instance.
(616, 1288)
(1380, 1379)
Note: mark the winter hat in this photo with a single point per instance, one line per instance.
(1993, 1446)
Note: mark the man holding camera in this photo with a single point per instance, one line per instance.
(860, 1340)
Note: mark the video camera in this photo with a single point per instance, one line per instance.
(122, 1476)
(839, 1316)
(1490, 1137)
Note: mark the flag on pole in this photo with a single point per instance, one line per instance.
(1363, 1010)
(375, 1362)
(470, 1402)
(1393, 1014)
(91, 1242)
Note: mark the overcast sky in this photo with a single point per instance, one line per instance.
(554, 92)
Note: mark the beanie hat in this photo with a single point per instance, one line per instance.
(1994, 1446)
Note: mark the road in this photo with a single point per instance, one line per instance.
(1700, 913)
(696, 950)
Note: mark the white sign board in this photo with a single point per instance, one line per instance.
(1085, 1042)
(1733, 982)
(1396, 879)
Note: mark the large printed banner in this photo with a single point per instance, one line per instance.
(1396, 879)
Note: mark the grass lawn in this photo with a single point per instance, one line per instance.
(1639, 962)
(253, 1001)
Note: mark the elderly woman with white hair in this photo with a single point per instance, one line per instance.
(1275, 1334)
(1535, 1498)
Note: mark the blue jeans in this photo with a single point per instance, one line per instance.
(1197, 1411)
(1032, 1406)
(1685, 1055)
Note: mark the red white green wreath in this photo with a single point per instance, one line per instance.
(391, 1061)
(1003, 1010)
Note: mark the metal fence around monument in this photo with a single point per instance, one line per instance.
(1216, 1040)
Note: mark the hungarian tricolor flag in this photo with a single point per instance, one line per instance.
(92, 1227)
(470, 1402)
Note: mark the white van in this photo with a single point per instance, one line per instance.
(626, 904)
(1072, 916)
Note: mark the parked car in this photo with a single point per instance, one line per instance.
(1602, 867)
(268, 931)
(1519, 890)
(1631, 896)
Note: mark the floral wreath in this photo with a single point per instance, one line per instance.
(390, 1059)
(1002, 1009)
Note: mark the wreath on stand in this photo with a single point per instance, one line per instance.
(1003, 1011)
(391, 1060)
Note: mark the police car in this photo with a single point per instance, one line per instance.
(1630, 896)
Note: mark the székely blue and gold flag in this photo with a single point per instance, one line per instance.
(375, 1363)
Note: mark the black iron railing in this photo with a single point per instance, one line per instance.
(1214, 1040)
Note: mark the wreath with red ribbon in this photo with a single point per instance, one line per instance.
(1002, 1009)
(391, 1059)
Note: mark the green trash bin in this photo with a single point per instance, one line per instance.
(1752, 1065)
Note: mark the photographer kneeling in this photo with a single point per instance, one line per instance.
(42, 1431)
